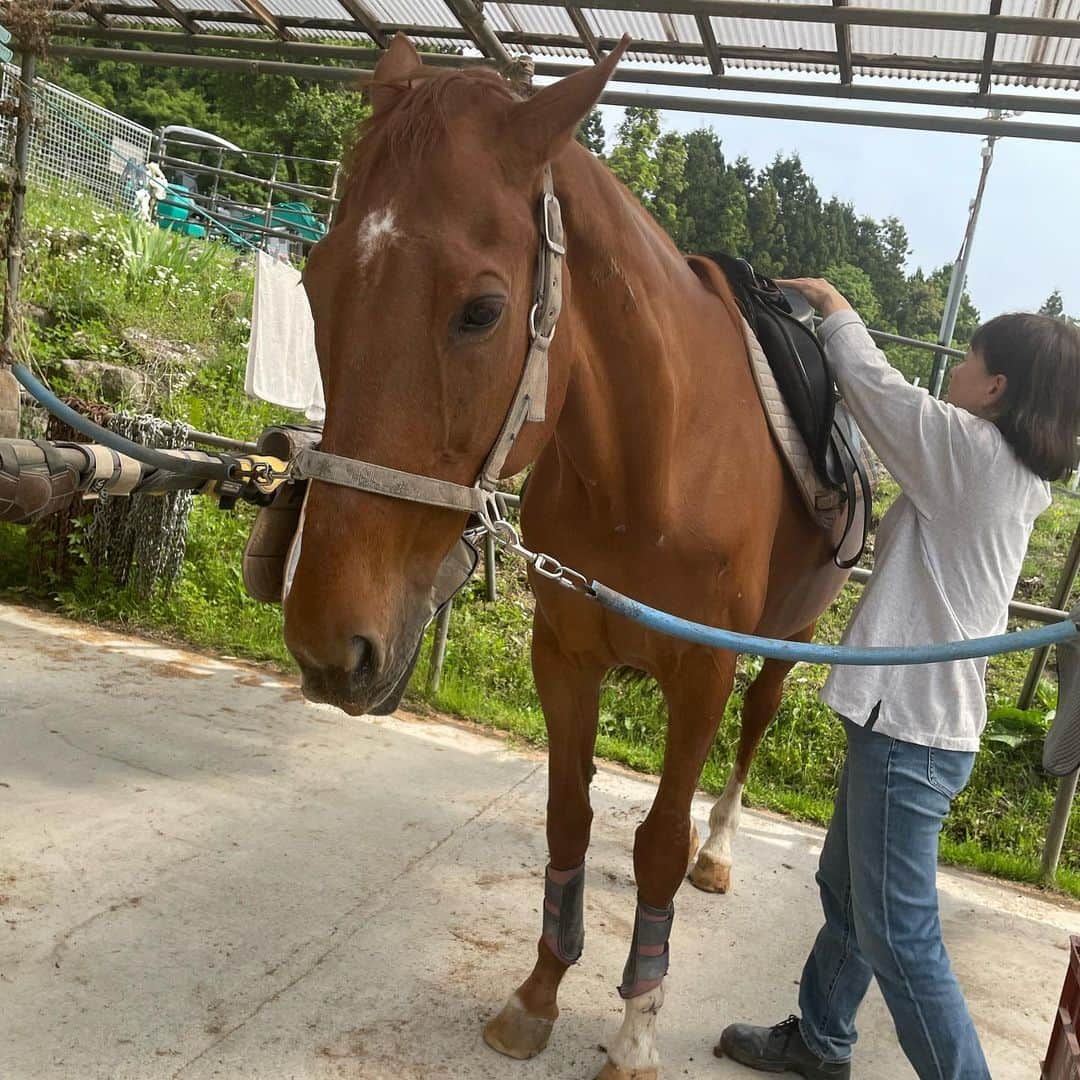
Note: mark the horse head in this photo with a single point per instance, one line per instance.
(421, 295)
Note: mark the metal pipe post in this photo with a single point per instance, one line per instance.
(915, 343)
(217, 177)
(1059, 823)
(438, 649)
(489, 567)
(335, 197)
(9, 388)
(270, 193)
(1062, 591)
(1059, 819)
(959, 274)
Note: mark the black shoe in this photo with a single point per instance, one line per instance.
(778, 1049)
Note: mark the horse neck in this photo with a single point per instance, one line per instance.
(634, 305)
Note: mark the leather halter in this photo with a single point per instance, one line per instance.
(529, 401)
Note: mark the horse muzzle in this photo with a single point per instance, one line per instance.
(365, 675)
(364, 688)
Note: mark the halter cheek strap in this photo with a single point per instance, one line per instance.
(530, 401)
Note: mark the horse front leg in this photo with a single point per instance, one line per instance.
(570, 696)
(712, 870)
(662, 848)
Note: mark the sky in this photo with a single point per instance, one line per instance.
(1027, 241)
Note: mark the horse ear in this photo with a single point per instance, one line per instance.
(541, 126)
(392, 72)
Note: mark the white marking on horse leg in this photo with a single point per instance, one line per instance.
(634, 1047)
(377, 231)
(724, 821)
(712, 871)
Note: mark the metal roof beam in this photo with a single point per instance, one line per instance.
(366, 20)
(987, 73)
(152, 11)
(845, 16)
(585, 32)
(817, 114)
(843, 47)
(681, 79)
(858, 117)
(95, 13)
(268, 19)
(472, 19)
(185, 20)
(708, 39)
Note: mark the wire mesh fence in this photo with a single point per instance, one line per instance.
(278, 202)
(77, 142)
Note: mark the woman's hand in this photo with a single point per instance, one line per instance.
(821, 294)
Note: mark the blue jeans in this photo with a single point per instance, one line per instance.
(878, 884)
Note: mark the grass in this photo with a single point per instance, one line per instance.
(100, 285)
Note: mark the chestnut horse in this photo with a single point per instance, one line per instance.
(654, 472)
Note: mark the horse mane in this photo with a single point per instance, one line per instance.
(419, 118)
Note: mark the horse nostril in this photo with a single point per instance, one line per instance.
(363, 654)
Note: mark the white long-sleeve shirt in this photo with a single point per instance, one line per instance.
(947, 554)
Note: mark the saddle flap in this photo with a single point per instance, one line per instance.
(782, 321)
(816, 437)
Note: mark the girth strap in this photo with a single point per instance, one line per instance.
(647, 963)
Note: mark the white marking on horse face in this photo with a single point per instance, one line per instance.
(377, 232)
(634, 1047)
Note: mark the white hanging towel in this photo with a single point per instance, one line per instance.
(282, 367)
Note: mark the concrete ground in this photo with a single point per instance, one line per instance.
(202, 876)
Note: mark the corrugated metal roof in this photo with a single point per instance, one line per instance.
(357, 37)
(789, 44)
(309, 9)
(413, 12)
(163, 22)
(217, 5)
(248, 30)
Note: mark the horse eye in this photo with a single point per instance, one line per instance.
(481, 314)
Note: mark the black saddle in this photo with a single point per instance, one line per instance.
(783, 322)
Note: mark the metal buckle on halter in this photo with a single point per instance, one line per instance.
(551, 204)
(534, 330)
(535, 334)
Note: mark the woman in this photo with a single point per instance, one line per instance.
(974, 472)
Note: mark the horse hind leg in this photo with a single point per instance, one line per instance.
(711, 871)
(571, 700)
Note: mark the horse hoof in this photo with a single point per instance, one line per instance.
(711, 875)
(517, 1033)
(611, 1071)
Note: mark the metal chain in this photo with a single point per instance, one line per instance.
(493, 519)
(142, 539)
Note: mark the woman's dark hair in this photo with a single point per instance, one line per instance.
(1040, 412)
